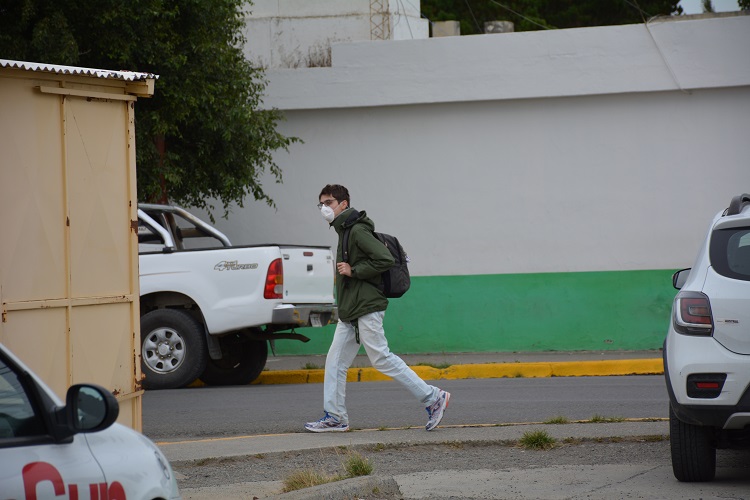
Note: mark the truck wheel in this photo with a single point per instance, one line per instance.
(243, 360)
(693, 451)
(173, 350)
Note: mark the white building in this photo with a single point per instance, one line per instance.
(299, 33)
(545, 184)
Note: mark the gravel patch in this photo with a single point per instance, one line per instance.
(393, 460)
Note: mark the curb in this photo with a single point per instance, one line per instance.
(488, 370)
(240, 446)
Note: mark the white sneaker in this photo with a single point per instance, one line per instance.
(328, 423)
(436, 410)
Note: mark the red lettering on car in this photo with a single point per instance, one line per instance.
(38, 472)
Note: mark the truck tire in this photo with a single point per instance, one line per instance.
(173, 349)
(243, 360)
(693, 451)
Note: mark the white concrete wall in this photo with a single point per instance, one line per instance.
(668, 55)
(299, 33)
(586, 157)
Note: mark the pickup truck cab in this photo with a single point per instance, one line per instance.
(209, 309)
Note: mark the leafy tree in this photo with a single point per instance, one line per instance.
(202, 134)
(531, 15)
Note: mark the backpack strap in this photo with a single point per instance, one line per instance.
(348, 223)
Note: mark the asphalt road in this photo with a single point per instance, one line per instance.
(235, 411)
(589, 461)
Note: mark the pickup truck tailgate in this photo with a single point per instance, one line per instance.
(307, 275)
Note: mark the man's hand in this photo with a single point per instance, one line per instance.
(344, 269)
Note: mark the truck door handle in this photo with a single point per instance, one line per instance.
(309, 267)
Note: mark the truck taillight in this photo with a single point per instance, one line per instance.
(692, 314)
(274, 281)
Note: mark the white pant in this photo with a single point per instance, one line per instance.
(341, 355)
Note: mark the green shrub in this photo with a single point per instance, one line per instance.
(537, 440)
(356, 465)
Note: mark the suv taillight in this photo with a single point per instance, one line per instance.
(692, 314)
(274, 281)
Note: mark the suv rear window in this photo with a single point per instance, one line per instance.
(730, 252)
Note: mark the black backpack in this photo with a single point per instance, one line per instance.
(396, 280)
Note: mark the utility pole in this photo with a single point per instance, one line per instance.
(380, 22)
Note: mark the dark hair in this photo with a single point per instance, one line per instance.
(337, 191)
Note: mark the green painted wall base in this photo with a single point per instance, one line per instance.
(613, 310)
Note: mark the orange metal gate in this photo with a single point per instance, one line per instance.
(68, 253)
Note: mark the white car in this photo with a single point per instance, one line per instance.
(76, 450)
(707, 349)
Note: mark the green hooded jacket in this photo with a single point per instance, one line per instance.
(361, 293)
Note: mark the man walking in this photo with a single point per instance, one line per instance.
(361, 306)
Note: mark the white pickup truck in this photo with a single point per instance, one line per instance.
(209, 309)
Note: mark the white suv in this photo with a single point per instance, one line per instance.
(707, 349)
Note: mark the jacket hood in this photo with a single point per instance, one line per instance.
(342, 221)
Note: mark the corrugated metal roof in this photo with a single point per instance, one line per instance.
(129, 76)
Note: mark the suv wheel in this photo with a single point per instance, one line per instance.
(693, 450)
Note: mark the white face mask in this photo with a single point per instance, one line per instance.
(327, 213)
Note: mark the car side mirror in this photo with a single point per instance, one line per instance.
(90, 408)
(680, 277)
